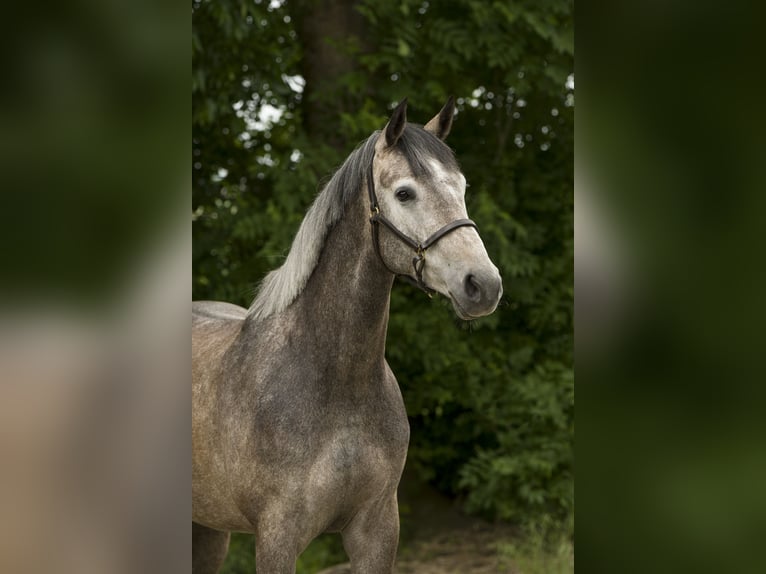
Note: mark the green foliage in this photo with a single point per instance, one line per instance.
(324, 551)
(490, 402)
(528, 471)
(240, 559)
(545, 547)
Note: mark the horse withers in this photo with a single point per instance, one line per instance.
(299, 427)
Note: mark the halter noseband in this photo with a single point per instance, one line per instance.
(419, 261)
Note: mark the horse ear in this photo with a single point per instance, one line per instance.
(441, 123)
(395, 127)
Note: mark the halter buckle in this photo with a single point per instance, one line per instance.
(418, 262)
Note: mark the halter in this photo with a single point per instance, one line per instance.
(419, 261)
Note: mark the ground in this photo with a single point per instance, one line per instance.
(457, 552)
(437, 538)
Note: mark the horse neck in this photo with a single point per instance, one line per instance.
(344, 307)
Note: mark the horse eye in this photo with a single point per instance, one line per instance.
(404, 194)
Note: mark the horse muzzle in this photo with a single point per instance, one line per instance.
(478, 294)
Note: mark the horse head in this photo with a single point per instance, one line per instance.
(420, 224)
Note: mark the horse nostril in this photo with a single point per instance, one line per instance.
(472, 288)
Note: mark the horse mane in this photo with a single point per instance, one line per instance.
(282, 286)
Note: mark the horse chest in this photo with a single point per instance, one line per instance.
(333, 458)
(353, 465)
(347, 445)
(377, 446)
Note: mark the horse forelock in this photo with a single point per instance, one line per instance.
(420, 147)
(283, 285)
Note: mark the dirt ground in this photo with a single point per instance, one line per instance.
(459, 551)
(470, 550)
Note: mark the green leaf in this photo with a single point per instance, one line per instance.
(403, 48)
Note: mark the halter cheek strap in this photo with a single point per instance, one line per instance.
(419, 261)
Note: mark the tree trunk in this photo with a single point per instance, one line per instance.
(326, 28)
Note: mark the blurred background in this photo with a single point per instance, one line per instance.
(282, 92)
(670, 275)
(95, 261)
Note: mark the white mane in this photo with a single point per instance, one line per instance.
(281, 287)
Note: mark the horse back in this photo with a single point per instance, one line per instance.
(215, 325)
(217, 310)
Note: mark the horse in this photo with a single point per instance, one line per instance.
(299, 426)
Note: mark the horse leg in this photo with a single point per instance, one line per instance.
(372, 537)
(209, 548)
(274, 554)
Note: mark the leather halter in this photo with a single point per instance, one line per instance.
(419, 261)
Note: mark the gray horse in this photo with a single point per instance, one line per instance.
(299, 427)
